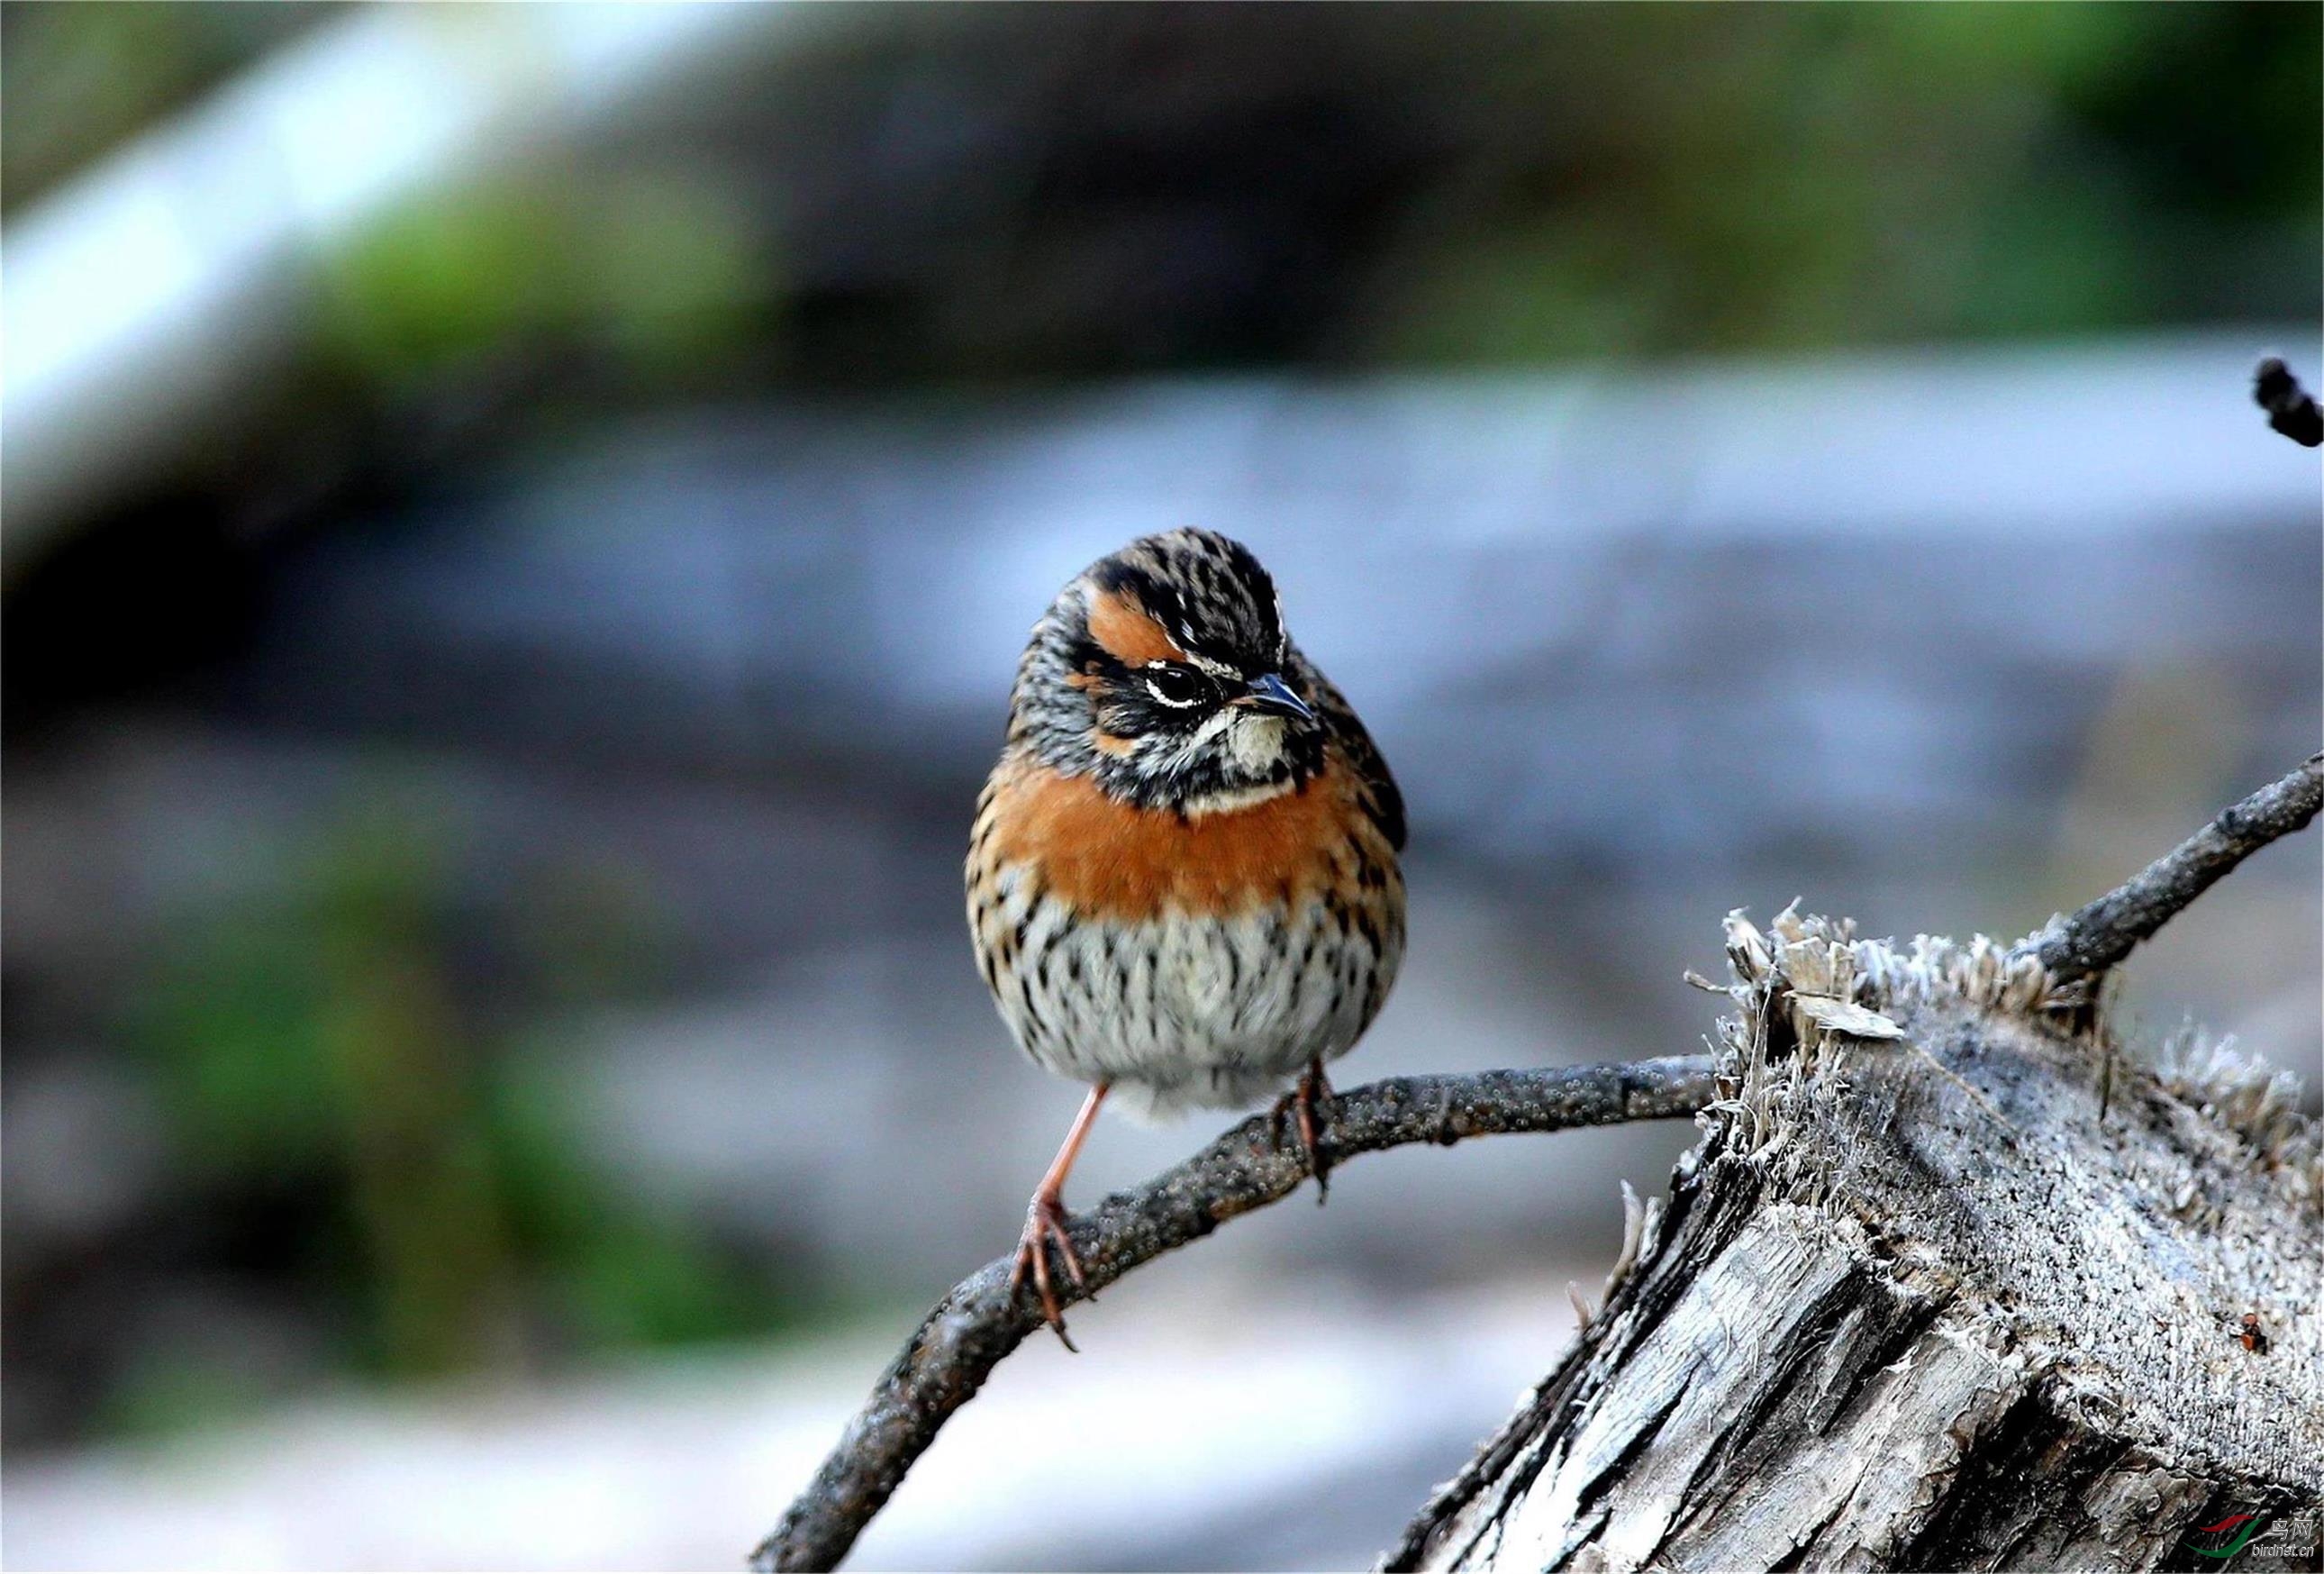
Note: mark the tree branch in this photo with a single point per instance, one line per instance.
(2291, 410)
(2097, 937)
(980, 1322)
(972, 1330)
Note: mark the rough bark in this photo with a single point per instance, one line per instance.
(1926, 1296)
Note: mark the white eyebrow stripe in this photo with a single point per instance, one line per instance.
(1215, 669)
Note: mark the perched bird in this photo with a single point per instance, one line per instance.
(1183, 883)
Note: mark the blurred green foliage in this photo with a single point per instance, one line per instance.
(1709, 178)
(79, 79)
(656, 272)
(897, 200)
(327, 1077)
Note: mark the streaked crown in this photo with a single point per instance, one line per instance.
(1165, 673)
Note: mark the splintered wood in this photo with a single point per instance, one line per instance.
(1915, 1302)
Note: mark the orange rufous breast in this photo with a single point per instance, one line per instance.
(1108, 859)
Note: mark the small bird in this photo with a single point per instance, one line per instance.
(1183, 883)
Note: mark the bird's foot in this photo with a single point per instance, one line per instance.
(1045, 1221)
(1302, 1101)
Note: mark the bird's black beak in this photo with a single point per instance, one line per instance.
(1272, 693)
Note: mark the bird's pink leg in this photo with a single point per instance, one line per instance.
(1301, 1100)
(1045, 1220)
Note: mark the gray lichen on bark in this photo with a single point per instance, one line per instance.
(1915, 1302)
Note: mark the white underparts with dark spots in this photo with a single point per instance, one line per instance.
(1182, 1013)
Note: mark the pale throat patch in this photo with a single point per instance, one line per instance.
(1254, 745)
(1234, 799)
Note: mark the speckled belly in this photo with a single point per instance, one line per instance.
(1182, 1011)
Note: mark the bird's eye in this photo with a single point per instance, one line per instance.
(1176, 687)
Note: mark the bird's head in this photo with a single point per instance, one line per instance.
(1165, 672)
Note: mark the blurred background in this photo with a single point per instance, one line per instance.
(518, 526)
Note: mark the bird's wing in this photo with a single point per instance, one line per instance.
(1381, 797)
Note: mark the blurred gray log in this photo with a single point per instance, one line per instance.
(1921, 1300)
(147, 297)
(1550, 622)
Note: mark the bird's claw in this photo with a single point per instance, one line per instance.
(1301, 1101)
(1045, 1221)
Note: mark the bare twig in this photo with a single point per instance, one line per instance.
(2291, 410)
(2096, 938)
(971, 1329)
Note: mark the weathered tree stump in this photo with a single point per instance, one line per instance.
(1946, 1285)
